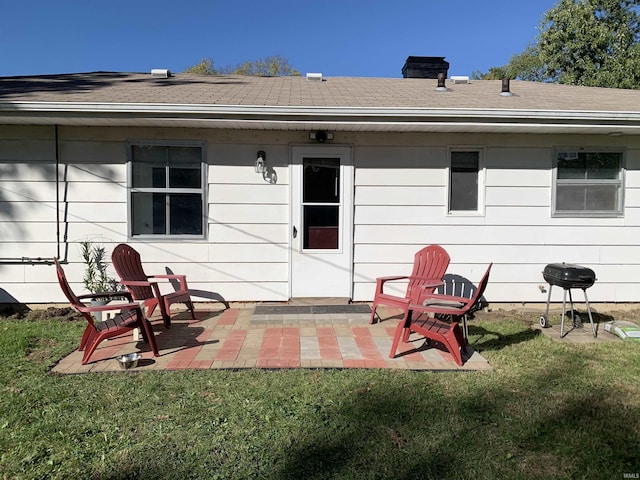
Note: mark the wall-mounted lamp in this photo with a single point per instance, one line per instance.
(320, 136)
(268, 173)
(261, 162)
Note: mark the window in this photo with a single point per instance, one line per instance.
(321, 203)
(167, 190)
(588, 183)
(464, 181)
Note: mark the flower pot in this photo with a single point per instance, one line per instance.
(98, 303)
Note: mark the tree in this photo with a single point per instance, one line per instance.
(524, 66)
(592, 42)
(273, 66)
(205, 67)
(583, 42)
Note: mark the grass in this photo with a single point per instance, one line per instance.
(547, 410)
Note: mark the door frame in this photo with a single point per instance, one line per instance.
(346, 218)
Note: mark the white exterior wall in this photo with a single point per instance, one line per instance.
(400, 206)
(248, 251)
(245, 255)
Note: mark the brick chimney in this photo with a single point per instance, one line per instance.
(424, 67)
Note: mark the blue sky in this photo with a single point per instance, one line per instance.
(361, 38)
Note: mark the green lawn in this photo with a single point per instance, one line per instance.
(546, 410)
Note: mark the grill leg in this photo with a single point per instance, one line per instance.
(593, 327)
(564, 309)
(546, 312)
(573, 310)
(544, 319)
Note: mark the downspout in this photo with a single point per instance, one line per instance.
(58, 241)
(57, 193)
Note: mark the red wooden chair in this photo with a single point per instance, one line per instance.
(145, 288)
(130, 317)
(428, 321)
(429, 266)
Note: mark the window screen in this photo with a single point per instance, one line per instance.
(463, 181)
(167, 190)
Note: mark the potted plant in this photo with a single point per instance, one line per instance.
(95, 277)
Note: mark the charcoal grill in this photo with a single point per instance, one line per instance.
(568, 276)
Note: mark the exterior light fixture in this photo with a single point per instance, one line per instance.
(268, 173)
(261, 162)
(320, 136)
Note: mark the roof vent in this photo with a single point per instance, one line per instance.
(442, 87)
(160, 73)
(506, 92)
(457, 79)
(314, 77)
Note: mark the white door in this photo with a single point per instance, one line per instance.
(321, 221)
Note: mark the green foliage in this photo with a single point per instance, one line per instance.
(204, 67)
(96, 279)
(548, 409)
(524, 66)
(582, 42)
(592, 42)
(273, 66)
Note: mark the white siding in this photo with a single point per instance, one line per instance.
(27, 209)
(245, 255)
(400, 205)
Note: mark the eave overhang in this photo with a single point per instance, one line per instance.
(361, 119)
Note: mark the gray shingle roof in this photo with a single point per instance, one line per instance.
(188, 89)
(391, 99)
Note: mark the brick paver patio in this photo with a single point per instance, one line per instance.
(237, 338)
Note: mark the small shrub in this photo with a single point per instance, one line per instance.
(95, 278)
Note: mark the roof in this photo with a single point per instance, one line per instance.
(295, 103)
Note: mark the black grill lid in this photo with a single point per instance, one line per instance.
(569, 275)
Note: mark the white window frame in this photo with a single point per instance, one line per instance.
(620, 182)
(480, 210)
(202, 190)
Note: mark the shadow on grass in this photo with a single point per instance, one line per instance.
(483, 339)
(532, 428)
(552, 415)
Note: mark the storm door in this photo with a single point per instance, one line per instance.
(321, 222)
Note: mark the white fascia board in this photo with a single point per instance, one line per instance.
(392, 116)
(191, 109)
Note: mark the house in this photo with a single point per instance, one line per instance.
(268, 188)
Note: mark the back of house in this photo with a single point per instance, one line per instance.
(272, 188)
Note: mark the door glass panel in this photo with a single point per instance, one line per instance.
(321, 203)
(321, 227)
(321, 180)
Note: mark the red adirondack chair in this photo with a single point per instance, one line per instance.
(143, 287)
(130, 317)
(425, 317)
(429, 266)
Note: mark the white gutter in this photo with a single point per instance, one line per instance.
(312, 111)
(362, 119)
